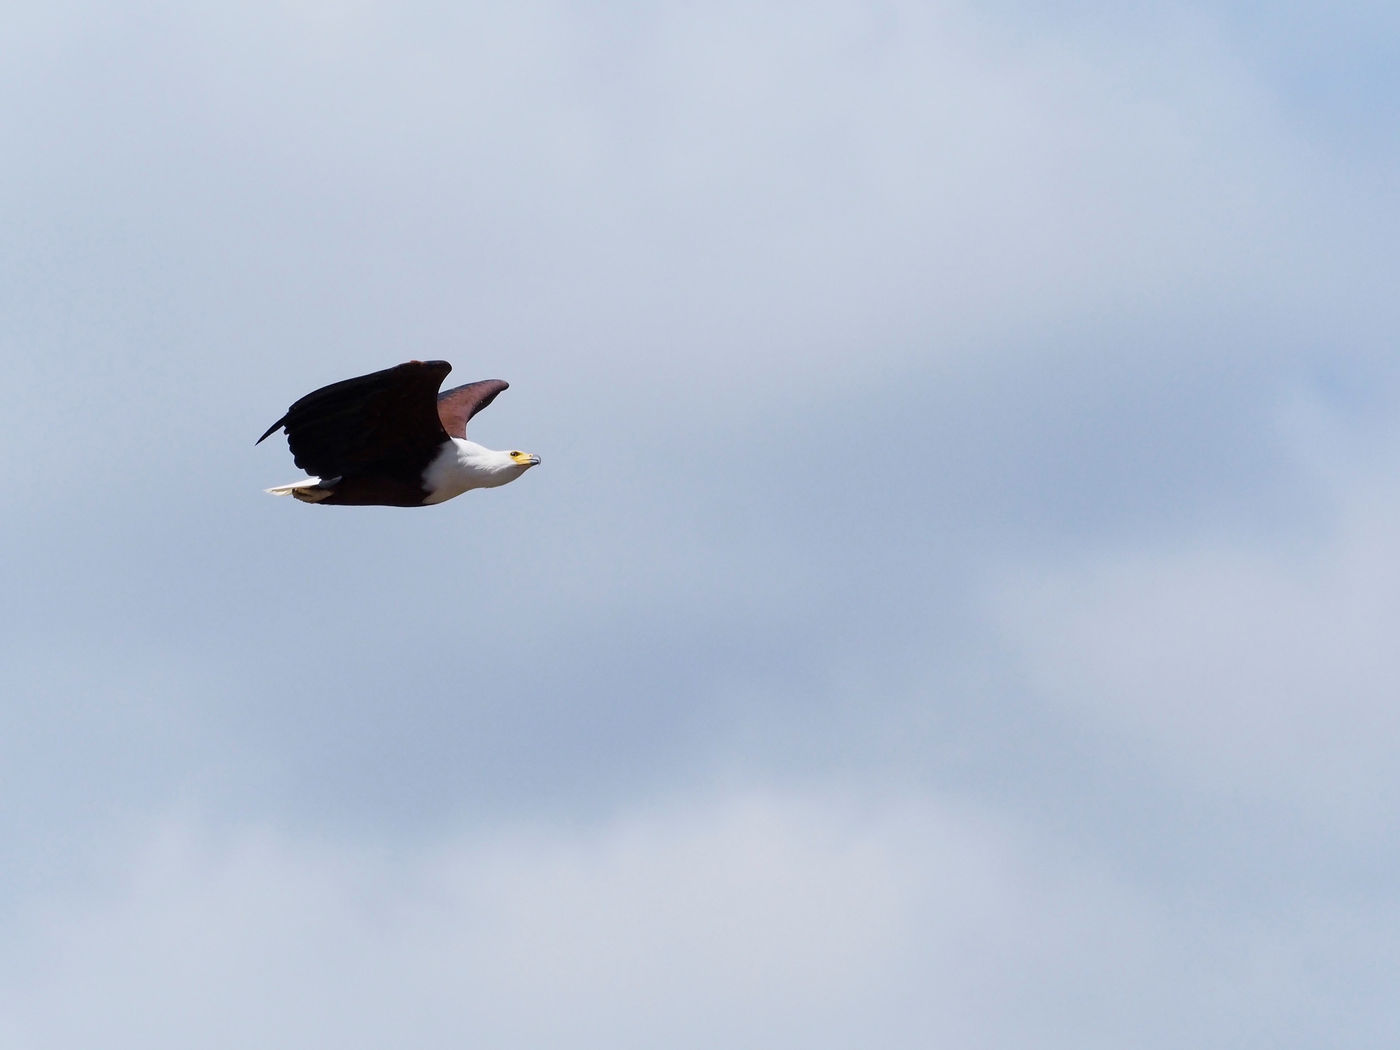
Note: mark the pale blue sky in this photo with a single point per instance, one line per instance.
(955, 607)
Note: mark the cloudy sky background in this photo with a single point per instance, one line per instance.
(957, 606)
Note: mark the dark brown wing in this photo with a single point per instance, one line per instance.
(383, 419)
(458, 405)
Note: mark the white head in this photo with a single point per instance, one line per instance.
(465, 465)
(489, 468)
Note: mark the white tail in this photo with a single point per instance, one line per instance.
(308, 491)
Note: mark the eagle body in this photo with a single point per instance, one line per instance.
(392, 439)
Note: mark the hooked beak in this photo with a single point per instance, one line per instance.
(526, 459)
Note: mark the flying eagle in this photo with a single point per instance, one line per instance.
(390, 439)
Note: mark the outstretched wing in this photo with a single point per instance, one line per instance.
(458, 405)
(384, 417)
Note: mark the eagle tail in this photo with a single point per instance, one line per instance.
(309, 490)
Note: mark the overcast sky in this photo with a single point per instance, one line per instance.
(957, 606)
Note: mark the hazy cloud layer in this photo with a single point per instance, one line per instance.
(952, 608)
(1258, 667)
(754, 918)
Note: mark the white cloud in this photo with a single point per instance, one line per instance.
(801, 196)
(751, 918)
(1262, 665)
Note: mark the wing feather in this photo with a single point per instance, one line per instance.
(457, 406)
(386, 417)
